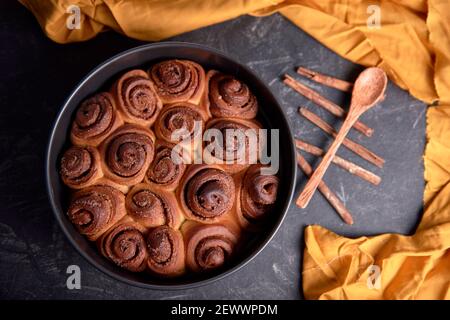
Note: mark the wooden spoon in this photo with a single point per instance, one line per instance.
(368, 90)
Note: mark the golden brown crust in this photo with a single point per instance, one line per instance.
(166, 256)
(208, 247)
(178, 116)
(127, 154)
(238, 154)
(229, 97)
(181, 124)
(80, 167)
(255, 197)
(152, 206)
(164, 172)
(125, 245)
(178, 81)
(206, 194)
(95, 119)
(95, 209)
(136, 98)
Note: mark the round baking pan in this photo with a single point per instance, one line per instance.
(270, 115)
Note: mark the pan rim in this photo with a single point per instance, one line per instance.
(195, 284)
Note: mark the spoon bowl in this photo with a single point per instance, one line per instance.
(368, 89)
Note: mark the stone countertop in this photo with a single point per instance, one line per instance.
(37, 75)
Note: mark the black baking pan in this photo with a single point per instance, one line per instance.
(270, 114)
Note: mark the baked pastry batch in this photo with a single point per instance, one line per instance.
(145, 212)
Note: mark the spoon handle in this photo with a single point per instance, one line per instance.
(316, 177)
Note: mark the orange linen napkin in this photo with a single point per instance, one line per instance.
(412, 45)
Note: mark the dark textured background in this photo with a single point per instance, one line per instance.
(35, 77)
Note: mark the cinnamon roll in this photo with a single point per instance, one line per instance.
(139, 191)
(208, 246)
(178, 81)
(237, 146)
(206, 194)
(94, 120)
(229, 98)
(181, 124)
(166, 255)
(95, 209)
(124, 244)
(80, 167)
(256, 196)
(153, 207)
(136, 98)
(164, 172)
(127, 154)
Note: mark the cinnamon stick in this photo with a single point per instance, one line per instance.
(351, 167)
(324, 103)
(327, 193)
(325, 79)
(350, 144)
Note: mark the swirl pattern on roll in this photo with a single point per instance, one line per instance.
(137, 190)
(152, 207)
(166, 252)
(207, 194)
(136, 98)
(94, 120)
(258, 194)
(180, 118)
(239, 146)
(94, 209)
(125, 245)
(208, 247)
(128, 153)
(178, 80)
(229, 97)
(164, 171)
(80, 167)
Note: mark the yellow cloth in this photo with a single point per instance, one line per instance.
(412, 46)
